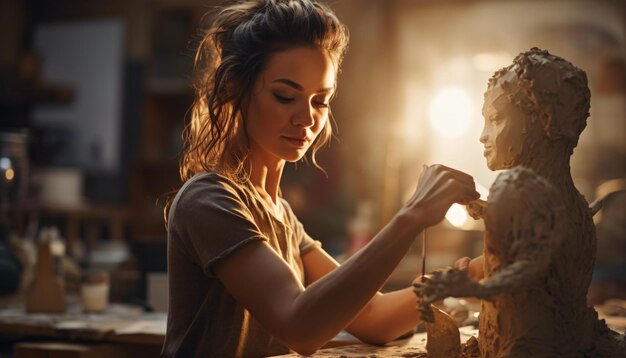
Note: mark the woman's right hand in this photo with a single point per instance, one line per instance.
(437, 189)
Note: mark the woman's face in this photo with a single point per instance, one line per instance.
(289, 104)
(504, 133)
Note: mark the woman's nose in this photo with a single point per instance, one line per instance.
(304, 117)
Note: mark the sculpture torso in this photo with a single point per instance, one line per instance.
(550, 313)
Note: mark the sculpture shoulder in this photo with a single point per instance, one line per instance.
(520, 191)
(520, 185)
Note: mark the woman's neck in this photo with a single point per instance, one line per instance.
(265, 176)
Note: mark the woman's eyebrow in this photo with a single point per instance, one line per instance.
(290, 83)
(298, 86)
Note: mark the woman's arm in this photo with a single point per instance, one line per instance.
(384, 318)
(304, 320)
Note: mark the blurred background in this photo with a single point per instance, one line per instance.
(94, 96)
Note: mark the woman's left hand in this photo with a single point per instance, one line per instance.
(474, 267)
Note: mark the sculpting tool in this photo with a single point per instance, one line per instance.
(442, 335)
(423, 254)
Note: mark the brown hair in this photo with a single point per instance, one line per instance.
(228, 61)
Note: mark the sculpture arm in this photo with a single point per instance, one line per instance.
(523, 221)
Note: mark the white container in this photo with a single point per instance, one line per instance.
(95, 291)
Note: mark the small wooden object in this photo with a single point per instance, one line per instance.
(47, 293)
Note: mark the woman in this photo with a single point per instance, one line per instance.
(245, 278)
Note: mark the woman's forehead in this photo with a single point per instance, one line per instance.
(311, 68)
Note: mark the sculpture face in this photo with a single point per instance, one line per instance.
(504, 132)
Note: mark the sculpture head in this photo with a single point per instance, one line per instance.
(536, 107)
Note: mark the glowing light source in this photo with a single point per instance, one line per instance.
(9, 174)
(491, 61)
(457, 215)
(450, 112)
(5, 163)
(483, 191)
(7, 168)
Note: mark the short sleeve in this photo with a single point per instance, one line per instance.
(212, 220)
(305, 242)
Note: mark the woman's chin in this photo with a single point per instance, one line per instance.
(294, 157)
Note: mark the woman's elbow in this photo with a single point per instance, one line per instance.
(376, 340)
(305, 351)
(305, 348)
(380, 337)
(305, 343)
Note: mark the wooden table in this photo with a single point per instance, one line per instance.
(121, 325)
(413, 346)
(612, 311)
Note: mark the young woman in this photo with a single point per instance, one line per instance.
(245, 278)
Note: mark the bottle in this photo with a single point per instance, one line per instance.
(47, 292)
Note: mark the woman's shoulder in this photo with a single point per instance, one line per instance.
(208, 182)
(209, 189)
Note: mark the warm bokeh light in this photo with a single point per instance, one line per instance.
(7, 167)
(491, 61)
(457, 215)
(482, 190)
(450, 112)
(9, 174)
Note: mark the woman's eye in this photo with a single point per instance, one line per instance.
(321, 104)
(283, 99)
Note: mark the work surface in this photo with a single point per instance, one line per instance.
(414, 346)
(119, 323)
(613, 311)
(130, 325)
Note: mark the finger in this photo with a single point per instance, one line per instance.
(460, 193)
(468, 195)
(433, 182)
(462, 176)
(431, 190)
(462, 263)
(479, 203)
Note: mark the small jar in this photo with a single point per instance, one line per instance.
(95, 291)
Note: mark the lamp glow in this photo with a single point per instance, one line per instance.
(450, 112)
(457, 215)
(9, 174)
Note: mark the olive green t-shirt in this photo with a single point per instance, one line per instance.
(210, 218)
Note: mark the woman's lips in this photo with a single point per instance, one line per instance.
(298, 142)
